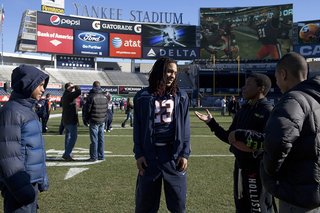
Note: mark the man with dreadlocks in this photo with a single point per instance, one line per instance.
(161, 135)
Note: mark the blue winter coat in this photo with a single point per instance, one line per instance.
(22, 153)
(143, 134)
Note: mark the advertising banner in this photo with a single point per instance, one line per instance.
(173, 52)
(55, 3)
(125, 45)
(54, 40)
(113, 90)
(91, 43)
(128, 90)
(307, 38)
(88, 24)
(53, 86)
(248, 32)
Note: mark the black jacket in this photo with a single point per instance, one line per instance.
(96, 107)
(248, 117)
(291, 164)
(69, 106)
(233, 106)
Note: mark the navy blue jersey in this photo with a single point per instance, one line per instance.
(268, 32)
(110, 107)
(163, 121)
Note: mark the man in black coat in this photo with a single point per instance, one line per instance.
(290, 169)
(70, 118)
(233, 106)
(95, 112)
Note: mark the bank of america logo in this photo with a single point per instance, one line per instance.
(55, 42)
(151, 53)
(116, 42)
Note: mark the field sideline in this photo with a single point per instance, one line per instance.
(109, 186)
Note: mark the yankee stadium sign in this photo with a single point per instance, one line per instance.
(136, 16)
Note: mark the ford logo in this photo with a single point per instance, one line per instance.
(91, 37)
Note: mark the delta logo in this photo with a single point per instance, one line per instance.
(55, 20)
(125, 45)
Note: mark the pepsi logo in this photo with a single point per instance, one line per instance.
(116, 42)
(91, 37)
(55, 20)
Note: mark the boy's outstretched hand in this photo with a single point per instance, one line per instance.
(206, 118)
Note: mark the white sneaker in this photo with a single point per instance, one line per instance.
(104, 130)
(111, 128)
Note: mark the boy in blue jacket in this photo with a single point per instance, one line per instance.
(161, 140)
(22, 154)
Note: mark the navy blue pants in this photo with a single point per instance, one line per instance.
(148, 189)
(108, 123)
(11, 205)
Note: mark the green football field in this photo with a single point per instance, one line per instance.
(109, 186)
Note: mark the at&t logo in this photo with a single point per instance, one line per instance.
(116, 42)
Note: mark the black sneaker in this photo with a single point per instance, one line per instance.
(91, 160)
(67, 158)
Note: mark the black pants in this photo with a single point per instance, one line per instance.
(249, 194)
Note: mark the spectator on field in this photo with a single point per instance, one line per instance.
(48, 96)
(223, 106)
(110, 112)
(22, 154)
(121, 103)
(82, 104)
(253, 115)
(43, 108)
(290, 166)
(95, 113)
(129, 113)
(233, 106)
(161, 140)
(61, 126)
(241, 102)
(70, 118)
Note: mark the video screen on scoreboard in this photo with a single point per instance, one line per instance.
(309, 32)
(168, 36)
(307, 38)
(248, 32)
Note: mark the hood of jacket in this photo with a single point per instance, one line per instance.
(310, 86)
(25, 79)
